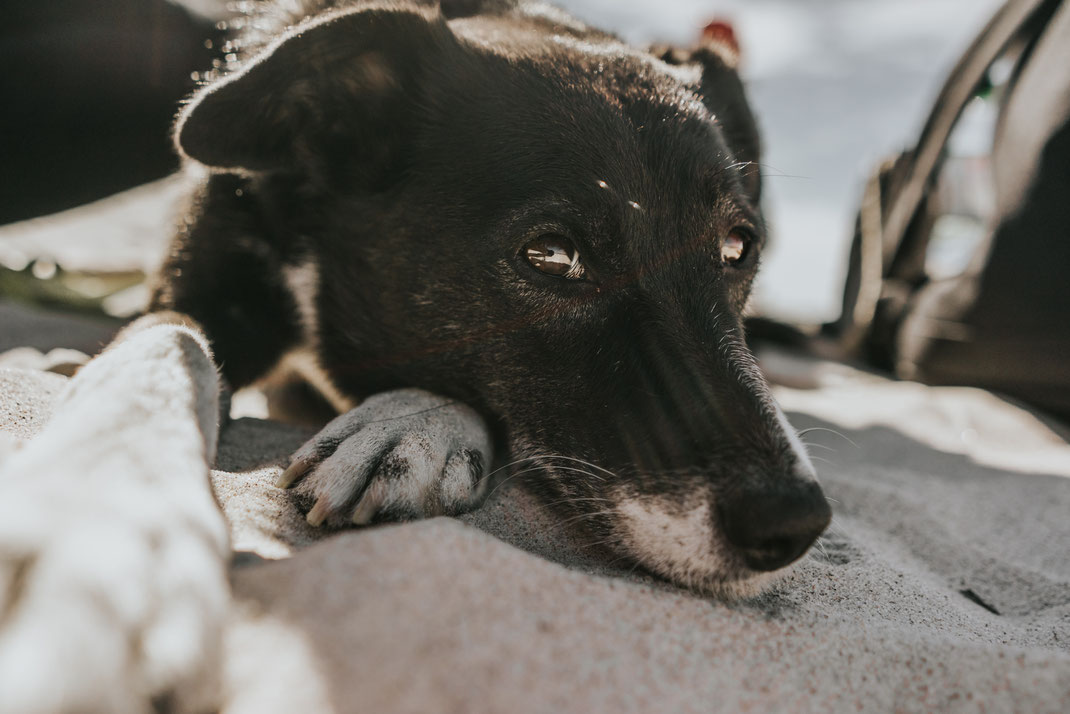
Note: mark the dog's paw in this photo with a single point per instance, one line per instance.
(400, 455)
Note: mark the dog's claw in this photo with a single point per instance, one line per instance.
(400, 454)
(293, 472)
(318, 514)
(364, 512)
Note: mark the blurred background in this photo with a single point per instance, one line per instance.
(838, 85)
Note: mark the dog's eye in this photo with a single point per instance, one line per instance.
(734, 247)
(555, 255)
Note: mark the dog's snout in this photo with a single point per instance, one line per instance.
(772, 528)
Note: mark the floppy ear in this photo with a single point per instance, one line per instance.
(337, 86)
(721, 90)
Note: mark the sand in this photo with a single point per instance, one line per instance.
(944, 583)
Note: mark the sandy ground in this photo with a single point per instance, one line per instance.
(943, 584)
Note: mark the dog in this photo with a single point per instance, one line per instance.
(506, 232)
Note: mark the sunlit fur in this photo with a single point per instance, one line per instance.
(409, 151)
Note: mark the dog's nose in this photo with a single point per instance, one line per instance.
(772, 528)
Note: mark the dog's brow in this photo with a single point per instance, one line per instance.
(631, 203)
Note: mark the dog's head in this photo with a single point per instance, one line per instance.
(528, 215)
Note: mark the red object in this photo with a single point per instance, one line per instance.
(721, 32)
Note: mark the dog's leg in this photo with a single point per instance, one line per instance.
(223, 272)
(399, 455)
(113, 585)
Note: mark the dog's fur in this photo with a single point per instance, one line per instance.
(376, 172)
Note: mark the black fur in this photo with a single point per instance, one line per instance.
(413, 152)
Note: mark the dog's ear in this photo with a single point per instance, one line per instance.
(722, 92)
(338, 86)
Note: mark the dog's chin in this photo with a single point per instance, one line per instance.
(678, 542)
(724, 586)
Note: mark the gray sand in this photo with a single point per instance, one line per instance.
(943, 584)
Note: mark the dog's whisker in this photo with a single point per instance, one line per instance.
(614, 561)
(579, 499)
(527, 470)
(510, 478)
(546, 507)
(550, 456)
(509, 465)
(501, 483)
(540, 467)
(836, 528)
(581, 461)
(778, 173)
(604, 541)
(573, 470)
(824, 552)
(632, 569)
(589, 514)
(804, 432)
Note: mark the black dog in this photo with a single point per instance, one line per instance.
(496, 203)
